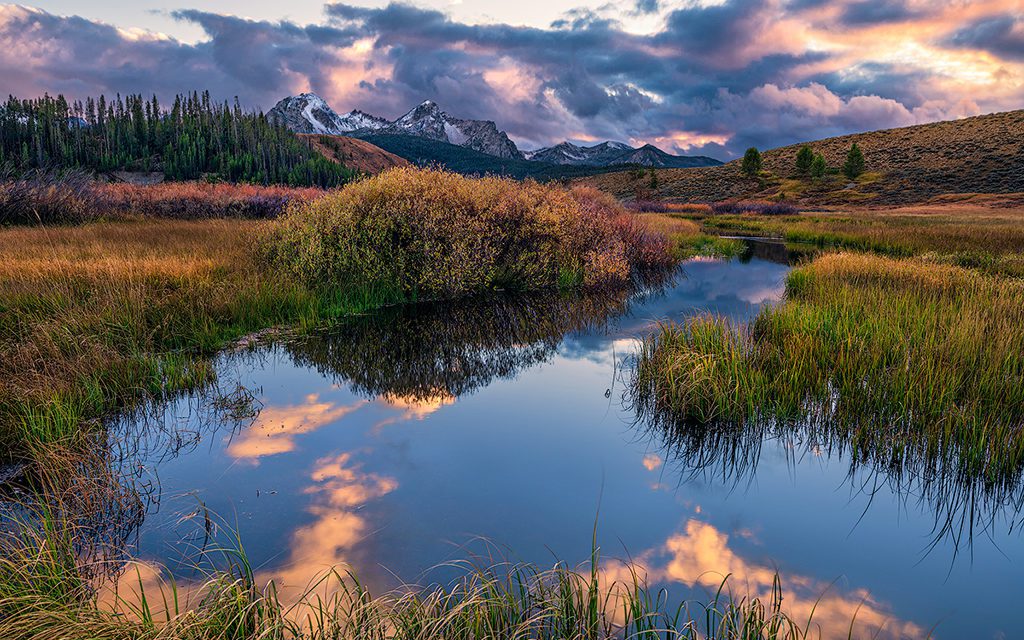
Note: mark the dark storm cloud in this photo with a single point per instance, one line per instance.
(1002, 36)
(877, 11)
(712, 78)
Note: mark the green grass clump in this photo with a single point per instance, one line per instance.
(898, 360)
(435, 234)
(96, 317)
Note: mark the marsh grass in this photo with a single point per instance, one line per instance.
(98, 316)
(987, 238)
(687, 240)
(903, 361)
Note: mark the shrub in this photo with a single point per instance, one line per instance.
(196, 200)
(697, 208)
(854, 165)
(45, 197)
(757, 207)
(804, 159)
(752, 162)
(432, 233)
(818, 166)
(648, 206)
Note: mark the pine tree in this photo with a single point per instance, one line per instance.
(752, 162)
(197, 137)
(854, 165)
(818, 166)
(804, 158)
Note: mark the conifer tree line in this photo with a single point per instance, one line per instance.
(196, 137)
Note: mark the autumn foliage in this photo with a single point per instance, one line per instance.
(74, 197)
(434, 233)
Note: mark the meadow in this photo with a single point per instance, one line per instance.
(905, 353)
(127, 307)
(980, 232)
(45, 197)
(100, 315)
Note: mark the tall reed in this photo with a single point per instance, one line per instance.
(901, 360)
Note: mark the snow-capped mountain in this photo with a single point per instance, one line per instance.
(309, 113)
(569, 153)
(611, 153)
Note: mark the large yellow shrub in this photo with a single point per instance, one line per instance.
(435, 233)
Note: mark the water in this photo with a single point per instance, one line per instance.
(419, 436)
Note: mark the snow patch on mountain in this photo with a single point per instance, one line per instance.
(309, 113)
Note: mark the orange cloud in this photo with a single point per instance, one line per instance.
(700, 555)
(275, 428)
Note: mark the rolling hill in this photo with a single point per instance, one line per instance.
(354, 153)
(981, 154)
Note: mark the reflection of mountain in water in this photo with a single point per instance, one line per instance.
(450, 349)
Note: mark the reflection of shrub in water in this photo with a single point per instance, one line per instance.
(425, 351)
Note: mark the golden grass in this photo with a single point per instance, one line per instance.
(97, 315)
(964, 234)
(905, 362)
(686, 238)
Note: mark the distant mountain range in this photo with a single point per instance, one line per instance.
(308, 113)
(611, 153)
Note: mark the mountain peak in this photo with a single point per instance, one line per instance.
(611, 152)
(309, 113)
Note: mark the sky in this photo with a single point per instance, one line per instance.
(690, 76)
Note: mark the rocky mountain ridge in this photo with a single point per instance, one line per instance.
(610, 153)
(308, 113)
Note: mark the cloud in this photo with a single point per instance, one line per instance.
(711, 77)
(703, 556)
(1002, 36)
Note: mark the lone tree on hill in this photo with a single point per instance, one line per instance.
(818, 166)
(752, 162)
(854, 165)
(804, 158)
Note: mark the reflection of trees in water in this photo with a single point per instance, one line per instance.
(772, 250)
(425, 351)
(962, 505)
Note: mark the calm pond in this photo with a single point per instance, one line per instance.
(500, 428)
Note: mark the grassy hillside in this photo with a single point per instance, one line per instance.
(354, 153)
(983, 154)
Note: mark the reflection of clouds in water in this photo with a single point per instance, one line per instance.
(411, 407)
(275, 428)
(761, 295)
(728, 288)
(417, 408)
(700, 555)
(340, 489)
(651, 461)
